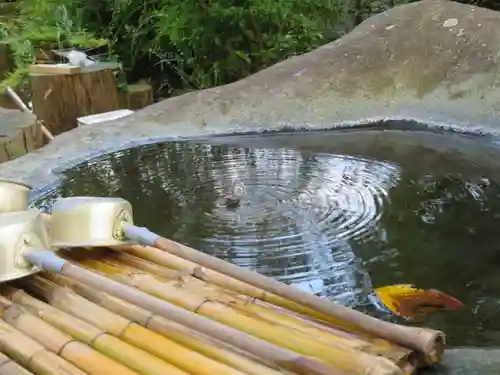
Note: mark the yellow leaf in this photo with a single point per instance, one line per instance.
(408, 301)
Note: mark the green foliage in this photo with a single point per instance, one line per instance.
(189, 44)
(215, 43)
(196, 44)
(40, 24)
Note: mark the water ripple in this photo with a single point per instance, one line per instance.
(296, 216)
(325, 222)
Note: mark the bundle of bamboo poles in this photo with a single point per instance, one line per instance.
(53, 325)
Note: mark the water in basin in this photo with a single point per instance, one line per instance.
(335, 213)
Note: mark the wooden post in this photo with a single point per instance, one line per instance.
(20, 133)
(60, 98)
(136, 96)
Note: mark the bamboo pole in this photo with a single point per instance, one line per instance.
(303, 365)
(77, 353)
(130, 356)
(190, 268)
(9, 367)
(287, 359)
(164, 271)
(359, 340)
(32, 355)
(338, 355)
(399, 355)
(290, 360)
(123, 259)
(188, 337)
(66, 300)
(187, 269)
(429, 342)
(328, 336)
(282, 357)
(402, 356)
(130, 254)
(192, 339)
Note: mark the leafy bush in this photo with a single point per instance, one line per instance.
(190, 44)
(40, 23)
(212, 43)
(490, 4)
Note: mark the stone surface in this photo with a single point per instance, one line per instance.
(433, 60)
(469, 362)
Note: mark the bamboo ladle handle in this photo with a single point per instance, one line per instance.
(284, 358)
(429, 342)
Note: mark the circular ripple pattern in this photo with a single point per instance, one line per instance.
(328, 223)
(297, 211)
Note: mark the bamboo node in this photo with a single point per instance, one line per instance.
(97, 337)
(199, 272)
(12, 313)
(197, 309)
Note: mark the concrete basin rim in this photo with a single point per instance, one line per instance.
(52, 177)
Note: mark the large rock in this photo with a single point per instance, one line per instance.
(433, 60)
(436, 61)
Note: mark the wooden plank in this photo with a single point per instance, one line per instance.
(69, 69)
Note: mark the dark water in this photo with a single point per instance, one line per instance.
(335, 213)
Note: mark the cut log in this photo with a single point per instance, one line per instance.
(59, 99)
(136, 96)
(20, 133)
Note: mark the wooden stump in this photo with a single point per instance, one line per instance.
(136, 96)
(20, 133)
(59, 99)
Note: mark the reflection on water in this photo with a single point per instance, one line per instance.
(296, 215)
(333, 224)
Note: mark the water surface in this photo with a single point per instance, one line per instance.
(334, 213)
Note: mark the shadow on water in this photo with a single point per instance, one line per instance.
(334, 213)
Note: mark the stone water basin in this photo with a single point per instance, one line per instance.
(336, 213)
